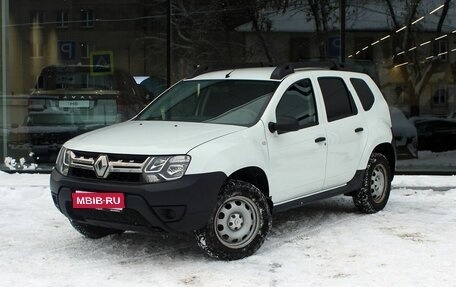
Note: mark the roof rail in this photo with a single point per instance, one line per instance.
(286, 69)
(279, 72)
(202, 69)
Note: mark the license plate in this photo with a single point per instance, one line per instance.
(74, 104)
(98, 200)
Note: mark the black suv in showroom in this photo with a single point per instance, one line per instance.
(70, 100)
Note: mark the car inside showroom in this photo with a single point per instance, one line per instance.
(69, 67)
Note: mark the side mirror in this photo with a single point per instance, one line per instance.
(284, 124)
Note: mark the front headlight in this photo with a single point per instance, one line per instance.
(63, 161)
(165, 168)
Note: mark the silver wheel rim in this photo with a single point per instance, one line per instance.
(236, 222)
(378, 183)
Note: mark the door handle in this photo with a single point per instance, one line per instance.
(358, 130)
(320, 139)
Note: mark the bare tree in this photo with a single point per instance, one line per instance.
(257, 13)
(325, 15)
(416, 73)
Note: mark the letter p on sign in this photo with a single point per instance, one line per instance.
(67, 50)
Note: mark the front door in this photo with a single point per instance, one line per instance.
(298, 158)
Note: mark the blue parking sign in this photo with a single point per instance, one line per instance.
(102, 63)
(333, 46)
(66, 50)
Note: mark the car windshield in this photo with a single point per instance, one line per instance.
(235, 102)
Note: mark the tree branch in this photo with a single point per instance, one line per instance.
(446, 6)
(392, 14)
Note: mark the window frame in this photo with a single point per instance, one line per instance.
(62, 19)
(353, 107)
(366, 103)
(314, 101)
(87, 18)
(442, 98)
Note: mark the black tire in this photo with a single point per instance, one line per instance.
(239, 223)
(375, 191)
(93, 232)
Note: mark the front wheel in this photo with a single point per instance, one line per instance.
(239, 223)
(375, 191)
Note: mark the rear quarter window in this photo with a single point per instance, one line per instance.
(364, 93)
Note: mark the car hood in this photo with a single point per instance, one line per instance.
(150, 137)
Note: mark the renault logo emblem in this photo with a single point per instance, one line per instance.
(101, 166)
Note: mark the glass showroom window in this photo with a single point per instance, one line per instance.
(77, 80)
(74, 80)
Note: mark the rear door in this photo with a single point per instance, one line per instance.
(346, 131)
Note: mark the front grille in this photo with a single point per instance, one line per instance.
(116, 176)
(117, 167)
(125, 177)
(83, 173)
(114, 157)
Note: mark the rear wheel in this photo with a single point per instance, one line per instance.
(374, 193)
(93, 232)
(239, 224)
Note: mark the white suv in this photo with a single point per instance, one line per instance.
(218, 152)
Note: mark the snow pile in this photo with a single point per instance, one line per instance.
(328, 243)
(13, 164)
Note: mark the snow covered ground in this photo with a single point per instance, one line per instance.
(410, 243)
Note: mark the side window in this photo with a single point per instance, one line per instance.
(364, 93)
(338, 101)
(299, 102)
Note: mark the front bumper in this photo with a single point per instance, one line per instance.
(175, 206)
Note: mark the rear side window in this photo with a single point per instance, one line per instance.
(338, 101)
(364, 93)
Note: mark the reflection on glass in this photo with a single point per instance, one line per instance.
(409, 50)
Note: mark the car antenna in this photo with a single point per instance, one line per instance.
(228, 75)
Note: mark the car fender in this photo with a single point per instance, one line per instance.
(232, 152)
(381, 134)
